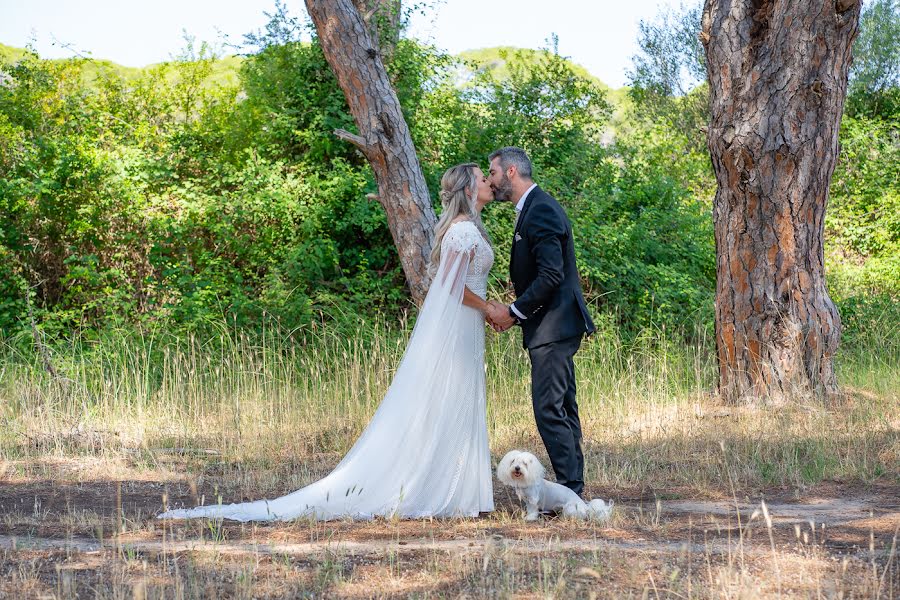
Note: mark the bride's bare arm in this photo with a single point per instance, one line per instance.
(473, 300)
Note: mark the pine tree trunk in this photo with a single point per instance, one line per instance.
(778, 79)
(384, 137)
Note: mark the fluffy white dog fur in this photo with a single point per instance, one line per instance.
(524, 472)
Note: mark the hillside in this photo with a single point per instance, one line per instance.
(225, 70)
(493, 60)
(9, 53)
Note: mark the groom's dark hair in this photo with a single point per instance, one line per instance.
(510, 155)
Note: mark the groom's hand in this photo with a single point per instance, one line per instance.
(498, 314)
(490, 321)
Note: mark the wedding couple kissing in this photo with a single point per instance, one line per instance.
(425, 451)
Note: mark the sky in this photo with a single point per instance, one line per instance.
(601, 36)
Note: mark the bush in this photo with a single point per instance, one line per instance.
(166, 201)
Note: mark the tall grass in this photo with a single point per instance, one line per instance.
(274, 414)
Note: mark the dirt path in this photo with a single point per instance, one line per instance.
(494, 545)
(830, 511)
(862, 514)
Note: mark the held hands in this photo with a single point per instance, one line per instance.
(497, 316)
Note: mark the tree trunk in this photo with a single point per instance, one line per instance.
(778, 79)
(383, 137)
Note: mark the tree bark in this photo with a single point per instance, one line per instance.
(778, 79)
(384, 136)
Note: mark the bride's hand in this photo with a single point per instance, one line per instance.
(498, 316)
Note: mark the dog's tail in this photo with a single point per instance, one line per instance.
(599, 509)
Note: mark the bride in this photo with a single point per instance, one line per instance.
(425, 451)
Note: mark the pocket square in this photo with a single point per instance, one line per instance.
(518, 237)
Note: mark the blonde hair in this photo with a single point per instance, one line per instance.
(459, 190)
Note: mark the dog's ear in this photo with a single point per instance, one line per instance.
(535, 466)
(503, 468)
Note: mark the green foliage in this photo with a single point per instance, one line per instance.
(496, 62)
(671, 60)
(668, 81)
(863, 231)
(864, 215)
(645, 233)
(863, 258)
(64, 201)
(640, 207)
(875, 70)
(169, 202)
(204, 191)
(542, 105)
(294, 104)
(10, 54)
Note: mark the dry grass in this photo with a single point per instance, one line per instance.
(270, 414)
(136, 424)
(492, 557)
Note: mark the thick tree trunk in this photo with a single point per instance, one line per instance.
(383, 137)
(778, 78)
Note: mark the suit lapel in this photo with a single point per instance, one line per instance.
(529, 200)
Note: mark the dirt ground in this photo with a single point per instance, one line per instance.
(851, 513)
(97, 537)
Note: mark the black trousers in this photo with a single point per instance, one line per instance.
(555, 409)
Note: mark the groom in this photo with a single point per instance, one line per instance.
(549, 307)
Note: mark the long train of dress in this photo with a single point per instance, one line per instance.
(425, 451)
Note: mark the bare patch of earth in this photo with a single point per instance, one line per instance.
(91, 514)
(99, 538)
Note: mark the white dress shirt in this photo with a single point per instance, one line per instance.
(519, 206)
(521, 203)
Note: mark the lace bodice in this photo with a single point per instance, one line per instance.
(465, 237)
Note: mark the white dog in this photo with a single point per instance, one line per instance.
(525, 473)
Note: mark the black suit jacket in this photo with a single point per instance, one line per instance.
(544, 275)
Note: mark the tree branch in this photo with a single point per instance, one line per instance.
(38, 341)
(358, 141)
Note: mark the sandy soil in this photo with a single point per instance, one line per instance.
(97, 534)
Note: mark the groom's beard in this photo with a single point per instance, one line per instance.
(503, 192)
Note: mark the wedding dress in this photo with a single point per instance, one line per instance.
(425, 451)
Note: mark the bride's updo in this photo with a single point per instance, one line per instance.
(459, 189)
